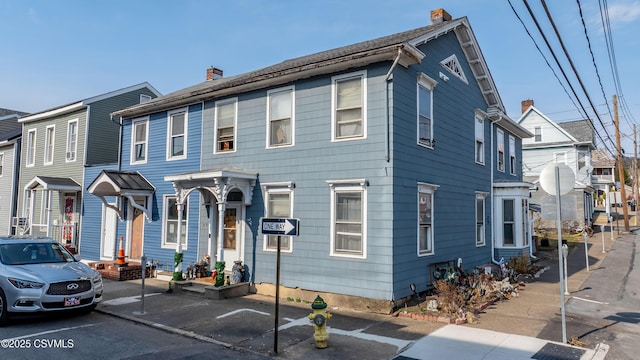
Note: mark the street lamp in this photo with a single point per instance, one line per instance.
(565, 252)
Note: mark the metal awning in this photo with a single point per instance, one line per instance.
(53, 184)
(124, 184)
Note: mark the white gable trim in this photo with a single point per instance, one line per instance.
(544, 117)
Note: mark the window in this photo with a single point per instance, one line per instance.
(144, 98)
(537, 134)
(226, 116)
(280, 122)
(525, 222)
(279, 204)
(348, 218)
(500, 144)
(349, 106)
(1, 164)
(31, 148)
(49, 138)
(425, 218)
(560, 158)
(177, 133)
(479, 126)
(582, 159)
(480, 233)
(453, 66)
(508, 223)
(425, 110)
(171, 222)
(512, 155)
(139, 141)
(72, 140)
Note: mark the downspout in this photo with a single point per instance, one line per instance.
(387, 78)
(494, 226)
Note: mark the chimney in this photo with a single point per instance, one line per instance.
(439, 16)
(213, 73)
(526, 104)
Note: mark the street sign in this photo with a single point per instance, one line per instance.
(279, 226)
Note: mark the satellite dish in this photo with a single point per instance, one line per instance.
(548, 179)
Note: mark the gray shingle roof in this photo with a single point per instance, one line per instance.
(579, 129)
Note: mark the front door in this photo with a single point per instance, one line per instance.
(232, 234)
(109, 222)
(137, 226)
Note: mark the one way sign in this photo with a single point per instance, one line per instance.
(279, 226)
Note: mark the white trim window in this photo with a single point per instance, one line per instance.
(425, 218)
(500, 148)
(72, 140)
(1, 164)
(537, 134)
(49, 143)
(480, 222)
(479, 130)
(278, 200)
(139, 141)
(280, 117)
(560, 157)
(583, 158)
(170, 222)
(349, 106)
(177, 134)
(144, 98)
(512, 155)
(28, 203)
(348, 218)
(525, 222)
(424, 105)
(226, 118)
(508, 222)
(31, 148)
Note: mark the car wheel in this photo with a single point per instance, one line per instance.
(3, 308)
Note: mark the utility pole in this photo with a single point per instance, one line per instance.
(635, 176)
(623, 193)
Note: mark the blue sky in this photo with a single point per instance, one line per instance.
(57, 52)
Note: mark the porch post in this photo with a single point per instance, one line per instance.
(222, 206)
(49, 212)
(180, 207)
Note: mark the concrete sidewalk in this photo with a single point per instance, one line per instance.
(513, 329)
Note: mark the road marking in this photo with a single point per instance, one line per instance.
(239, 311)
(400, 344)
(126, 300)
(51, 331)
(591, 301)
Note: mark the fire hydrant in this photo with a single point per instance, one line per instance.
(319, 316)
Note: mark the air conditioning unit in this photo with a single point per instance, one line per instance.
(71, 155)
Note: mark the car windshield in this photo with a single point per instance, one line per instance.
(33, 253)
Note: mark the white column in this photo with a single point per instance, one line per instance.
(180, 208)
(222, 206)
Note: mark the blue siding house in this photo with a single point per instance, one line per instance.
(395, 154)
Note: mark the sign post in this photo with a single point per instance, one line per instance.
(279, 227)
(558, 179)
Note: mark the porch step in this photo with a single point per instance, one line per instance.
(210, 291)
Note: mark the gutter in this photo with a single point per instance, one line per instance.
(494, 116)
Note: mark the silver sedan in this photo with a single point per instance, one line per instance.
(40, 275)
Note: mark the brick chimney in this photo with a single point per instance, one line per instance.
(439, 16)
(213, 73)
(526, 104)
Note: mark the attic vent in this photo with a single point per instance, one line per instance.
(453, 66)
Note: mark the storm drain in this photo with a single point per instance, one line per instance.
(552, 351)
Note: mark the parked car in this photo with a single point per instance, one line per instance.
(39, 275)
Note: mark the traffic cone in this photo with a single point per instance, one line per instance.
(120, 260)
